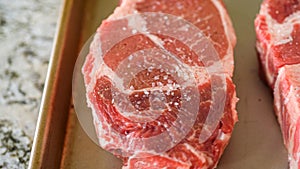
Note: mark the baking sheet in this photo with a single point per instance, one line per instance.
(256, 141)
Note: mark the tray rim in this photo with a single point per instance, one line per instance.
(38, 152)
(37, 145)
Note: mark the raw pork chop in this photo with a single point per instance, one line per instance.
(278, 42)
(212, 19)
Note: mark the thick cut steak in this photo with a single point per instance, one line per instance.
(102, 80)
(278, 42)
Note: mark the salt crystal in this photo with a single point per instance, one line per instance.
(134, 31)
(156, 77)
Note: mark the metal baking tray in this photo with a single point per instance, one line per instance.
(60, 142)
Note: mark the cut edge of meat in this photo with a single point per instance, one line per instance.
(287, 108)
(281, 68)
(230, 32)
(126, 7)
(229, 29)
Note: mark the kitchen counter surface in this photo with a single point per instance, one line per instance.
(27, 29)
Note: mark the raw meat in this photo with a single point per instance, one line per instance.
(278, 29)
(287, 106)
(278, 42)
(101, 75)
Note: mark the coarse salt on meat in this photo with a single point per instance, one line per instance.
(101, 81)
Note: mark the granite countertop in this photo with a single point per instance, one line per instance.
(27, 29)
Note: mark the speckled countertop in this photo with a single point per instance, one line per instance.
(27, 28)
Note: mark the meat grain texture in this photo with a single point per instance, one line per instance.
(211, 18)
(278, 43)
